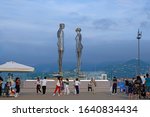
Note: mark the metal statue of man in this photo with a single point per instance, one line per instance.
(60, 44)
(79, 48)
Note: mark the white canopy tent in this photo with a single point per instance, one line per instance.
(15, 67)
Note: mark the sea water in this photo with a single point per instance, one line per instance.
(67, 74)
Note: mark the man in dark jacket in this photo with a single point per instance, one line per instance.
(114, 86)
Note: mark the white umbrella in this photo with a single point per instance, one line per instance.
(15, 67)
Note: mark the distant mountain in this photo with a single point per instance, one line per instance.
(127, 69)
(53, 67)
(118, 69)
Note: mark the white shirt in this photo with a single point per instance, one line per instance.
(38, 82)
(143, 80)
(58, 83)
(44, 81)
(77, 83)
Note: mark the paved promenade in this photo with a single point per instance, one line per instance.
(81, 96)
(28, 92)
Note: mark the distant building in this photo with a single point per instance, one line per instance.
(103, 76)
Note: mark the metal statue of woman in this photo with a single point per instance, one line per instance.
(79, 48)
(60, 44)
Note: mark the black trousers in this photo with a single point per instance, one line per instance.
(38, 88)
(17, 88)
(44, 89)
(77, 89)
(89, 88)
(114, 89)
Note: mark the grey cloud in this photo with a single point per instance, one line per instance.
(145, 24)
(148, 14)
(104, 24)
(147, 9)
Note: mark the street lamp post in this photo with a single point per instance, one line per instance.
(139, 35)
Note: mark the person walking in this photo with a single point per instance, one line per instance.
(66, 83)
(93, 82)
(38, 85)
(58, 84)
(114, 86)
(44, 81)
(77, 83)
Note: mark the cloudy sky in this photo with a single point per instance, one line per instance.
(109, 29)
